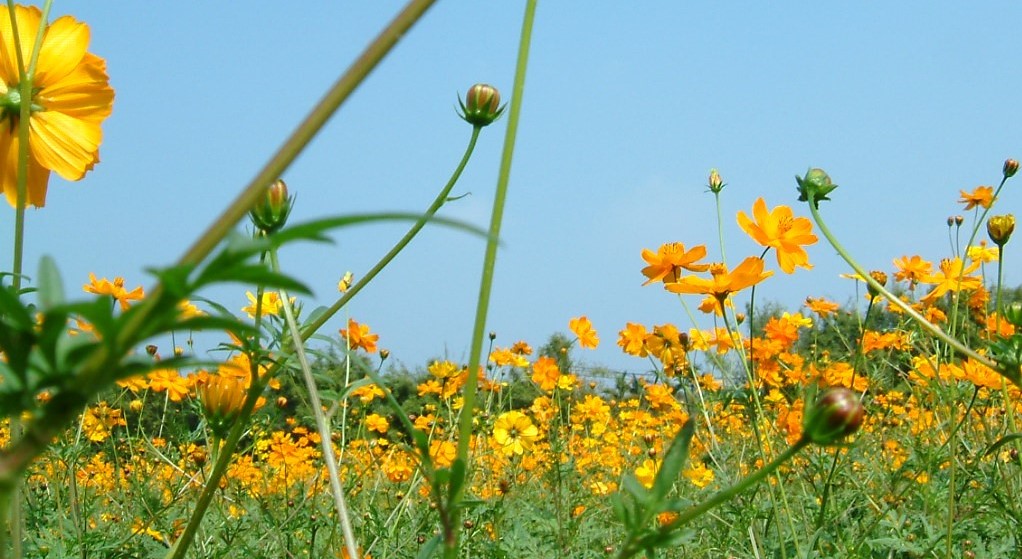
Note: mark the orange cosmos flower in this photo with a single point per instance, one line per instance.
(633, 339)
(667, 262)
(71, 97)
(912, 269)
(583, 328)
(822, 307)
(359, 337)
(724, 283)
(780, 230)
(114, 289)
(982, 196)
(953, 277)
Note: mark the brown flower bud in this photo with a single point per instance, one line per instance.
(837, 414)
(1010, 167)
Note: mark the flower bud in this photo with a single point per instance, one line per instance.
(1000, 228)
(270, 214)
(716, 184)
(222, 399)
(815, 186)
(950, 220)
(837, 414)
(481, 105)
(880, 278)
(959, 220)
(1010, 167)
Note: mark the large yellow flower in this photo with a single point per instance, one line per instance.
(71, 98)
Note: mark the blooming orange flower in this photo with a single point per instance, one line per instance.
(822, 307)
(667, 262)
(583, 328)
(780, 230)
(359, 337)
(115, 289)
(545, 373)
(169, 380)
(633, 339)
(71, 97)
(912, 269)
(982, 196)
(953, 277)
(724, 283)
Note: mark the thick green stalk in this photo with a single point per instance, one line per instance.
(439, 201)
(489, 262)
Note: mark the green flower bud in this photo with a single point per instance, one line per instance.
(1000, 228)
(815, 186)
(716, 183)
(481, 105)
(271, 213)
(837, 414)
(1010, 167)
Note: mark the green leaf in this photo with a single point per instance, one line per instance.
(674, 461)
(51, 287)
(313, 230)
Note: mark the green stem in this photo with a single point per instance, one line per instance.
(720, 228)
(439, 201)
(905, 307)
(486, 282)
(322, 424)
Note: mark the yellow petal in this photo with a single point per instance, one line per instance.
(63, 48)
(38, 176)
(28, 23)
(83, 93)
(65, 144)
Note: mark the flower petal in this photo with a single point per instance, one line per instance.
(64, 47)
(84, 93)
(38, 176)
(64, 144)
(28, 24)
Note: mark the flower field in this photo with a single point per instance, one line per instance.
(887, 426)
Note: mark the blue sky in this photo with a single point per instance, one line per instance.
(627, 107)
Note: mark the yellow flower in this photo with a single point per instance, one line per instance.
(822, 307)
(115, 289)
(583, 328)
(71, 97)
(780, 230)
(271, 304)
(514, 433)
(378, 423)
